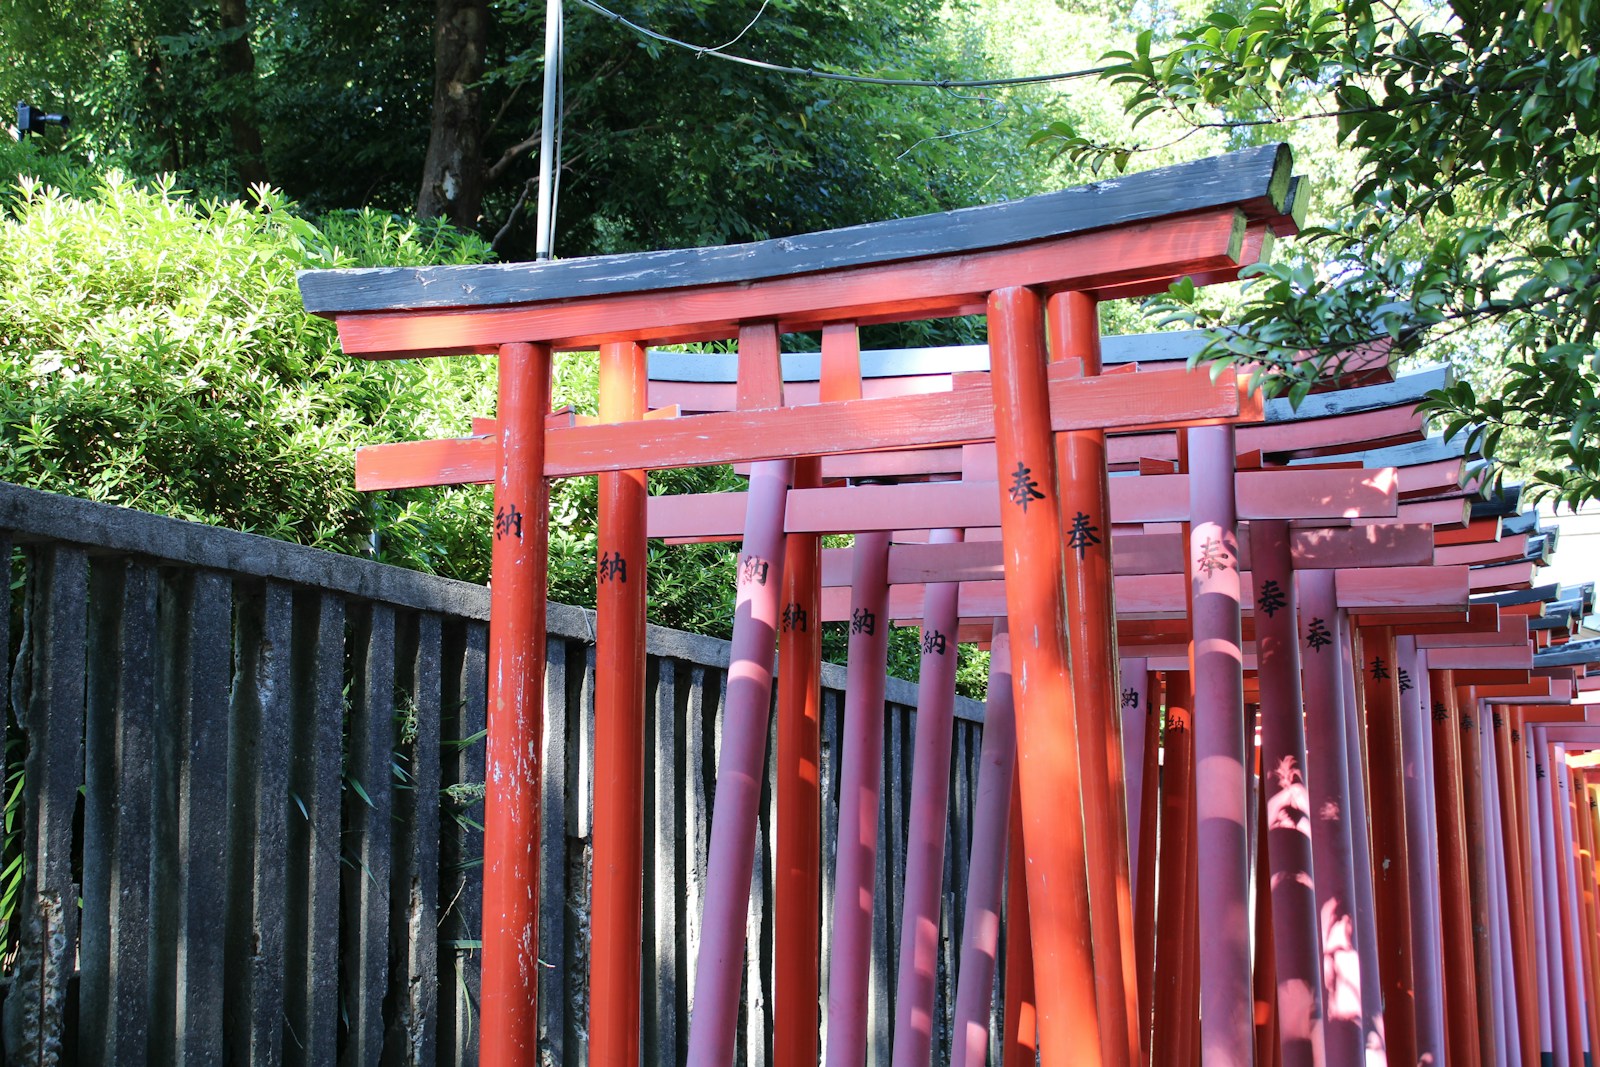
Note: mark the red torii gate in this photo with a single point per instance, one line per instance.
(1431, 473)
(1115, 239)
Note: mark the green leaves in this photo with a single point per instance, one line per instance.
(1470, 230)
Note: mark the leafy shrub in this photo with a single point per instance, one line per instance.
(154, 353)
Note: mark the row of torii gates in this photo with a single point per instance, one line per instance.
(1397, 861)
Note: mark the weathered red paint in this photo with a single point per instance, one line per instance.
(510, 969)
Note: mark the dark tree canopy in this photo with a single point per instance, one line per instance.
(662, 147)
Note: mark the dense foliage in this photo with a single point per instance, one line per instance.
(662, 147)
(1470, 227)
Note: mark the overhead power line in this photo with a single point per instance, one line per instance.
(828, 75)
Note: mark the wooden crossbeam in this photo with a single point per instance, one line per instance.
(1270, 494)
(1314, 548)
(1473, 618)
(1401, 589)
(954, 417)
(1156, 596)
(1513, 630)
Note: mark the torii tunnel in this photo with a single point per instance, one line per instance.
(1287, 757)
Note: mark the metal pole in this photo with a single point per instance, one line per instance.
(617, 897)
(519, 557)
(544, 236)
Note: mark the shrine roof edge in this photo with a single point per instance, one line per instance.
(1257, 179)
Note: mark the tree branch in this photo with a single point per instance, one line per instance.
(511, 219)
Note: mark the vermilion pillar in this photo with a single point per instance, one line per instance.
(1417, 742)
(1391, 869)
(1552, 1025)
(1296, 940)
(980, 928)
(1019, 1044)
(1360, 837)
(746, 716)
(1134, 703)
(1328, 783)
(796, 961)
(1175, 943)
(510, 982)
(1222, 821)
(1455, 906)
(1092, 616)
(1522, 962)
(1506, 1049)
(731, 858)
(860, 781)
(616, 903)
(1561, 816)
(928, 812)
(1144, 905)
(797, 897)
(1048, 760)
(1477, 869)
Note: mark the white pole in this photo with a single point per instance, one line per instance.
(544, 240)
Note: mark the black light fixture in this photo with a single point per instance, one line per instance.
(32, 120)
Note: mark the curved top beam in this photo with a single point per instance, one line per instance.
(1258, 180)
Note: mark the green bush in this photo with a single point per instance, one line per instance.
(154, 353)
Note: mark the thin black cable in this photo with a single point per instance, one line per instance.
(859, 79)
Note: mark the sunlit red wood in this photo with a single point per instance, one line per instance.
(1048, 758)
(510, 968)
(616, 900)
(1085, 513)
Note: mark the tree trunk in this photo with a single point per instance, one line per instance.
(452, 176)
(239, 75)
